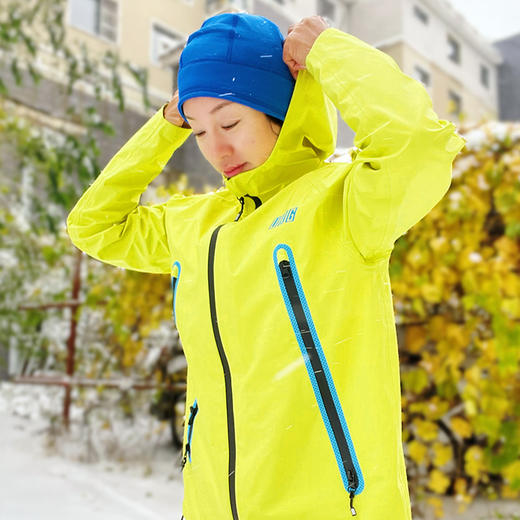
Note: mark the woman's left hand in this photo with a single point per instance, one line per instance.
(300, 38)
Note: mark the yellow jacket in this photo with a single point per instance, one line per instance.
(282, 293)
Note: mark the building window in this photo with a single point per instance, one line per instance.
(455, 103)
(484, 76)
(327, 9)
(163, 41)
(97, 17)
(453, 49)
(422, 75)
(420, 14)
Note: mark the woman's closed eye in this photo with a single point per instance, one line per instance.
(225, 127)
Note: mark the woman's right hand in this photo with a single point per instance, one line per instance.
(171, 113)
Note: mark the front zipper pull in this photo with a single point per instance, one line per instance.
(241, 200)
(352, 509)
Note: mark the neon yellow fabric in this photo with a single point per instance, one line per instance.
(343, 222)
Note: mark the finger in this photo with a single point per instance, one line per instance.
(293, 69)
(286, 54)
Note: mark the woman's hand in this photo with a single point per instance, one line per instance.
(300, 38)
(171, 112)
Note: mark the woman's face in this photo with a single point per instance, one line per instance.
(232, 137)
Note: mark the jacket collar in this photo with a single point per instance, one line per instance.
(307, 138)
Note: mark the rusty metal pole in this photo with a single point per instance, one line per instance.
(71, 343)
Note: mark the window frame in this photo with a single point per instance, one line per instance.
(457, 100)
(421, 14)
(421, 71)
(454, 45)
(484, 76)
(167, 31)
(98, 22)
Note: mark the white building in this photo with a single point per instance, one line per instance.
(435, 44)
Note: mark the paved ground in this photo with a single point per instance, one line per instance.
(34, 486)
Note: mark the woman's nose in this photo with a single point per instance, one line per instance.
(222, 147)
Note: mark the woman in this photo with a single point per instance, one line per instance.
(282, 293)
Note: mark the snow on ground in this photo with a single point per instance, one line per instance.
(42, 476)
(133, 473)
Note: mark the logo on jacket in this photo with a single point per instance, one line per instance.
(288, 216)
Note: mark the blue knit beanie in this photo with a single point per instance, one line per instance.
(238, 57)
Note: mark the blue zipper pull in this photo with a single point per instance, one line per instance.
(352, 509)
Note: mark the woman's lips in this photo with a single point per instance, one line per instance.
(234, 171)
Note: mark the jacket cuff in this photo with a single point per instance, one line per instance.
(171, 132)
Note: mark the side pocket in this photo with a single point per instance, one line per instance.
(319, 372)
(176, 274)
(187, 449)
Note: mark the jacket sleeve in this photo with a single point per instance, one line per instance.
(108, 222)
(404, 152)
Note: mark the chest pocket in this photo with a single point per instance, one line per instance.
(318, 370)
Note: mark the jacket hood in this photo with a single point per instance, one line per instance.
(307, 138)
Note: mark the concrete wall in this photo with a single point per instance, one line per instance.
(374, 21)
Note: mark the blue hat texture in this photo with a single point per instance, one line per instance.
(237, 57)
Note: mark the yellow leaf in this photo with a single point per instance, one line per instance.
(415, 338)
(457, 335)
(471, 408)
(511, 307)
(461, 491)
(474, 462)
(417, 451)
(438, 482)
(461, 427)
(437, 327)
(442, 454)
(431, 293)
(512, 474)
(427, 430)
(508, 492)
(415, 380)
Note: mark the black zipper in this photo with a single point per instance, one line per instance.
(187, 450)
(227, 374)
(324, 389)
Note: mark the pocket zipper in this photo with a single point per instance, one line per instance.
(187, 450)
(319, 373)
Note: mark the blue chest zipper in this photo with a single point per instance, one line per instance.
(319, 373)
(187, 450)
